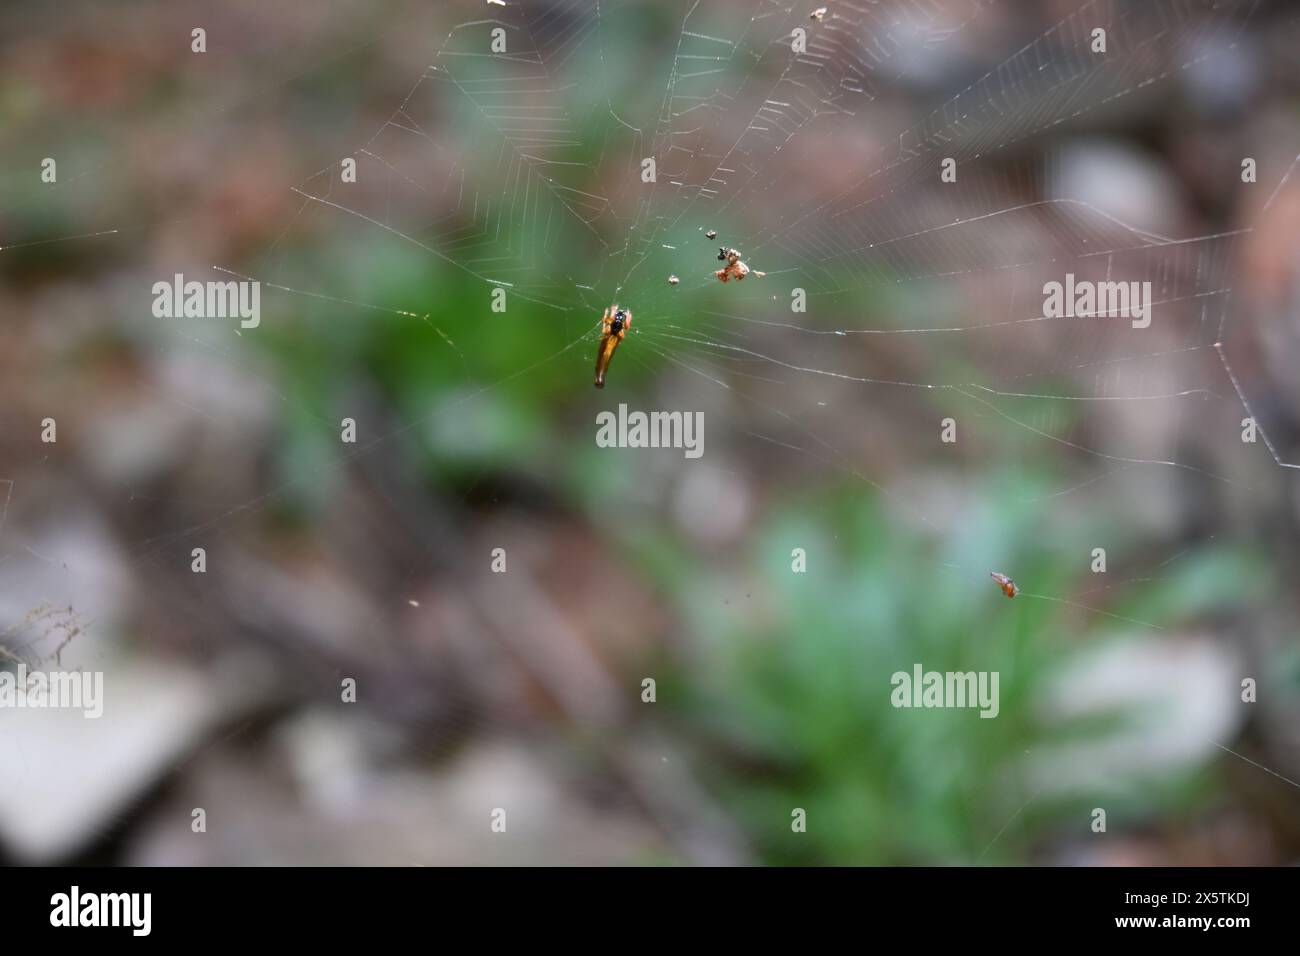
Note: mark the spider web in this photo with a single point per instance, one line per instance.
(741, 127)
(747, 136)
(521, 170)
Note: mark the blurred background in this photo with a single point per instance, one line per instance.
(523, 691)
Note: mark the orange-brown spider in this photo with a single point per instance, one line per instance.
(613, 326)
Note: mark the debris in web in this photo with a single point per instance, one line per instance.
(1008, 586)
(42, 635)
(735, 267)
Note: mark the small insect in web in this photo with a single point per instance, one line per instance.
(735, 267)
(711, 234)
(614, 325)
(1008, 586)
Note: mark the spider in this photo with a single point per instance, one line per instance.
(1005, 583)
(613, 326)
